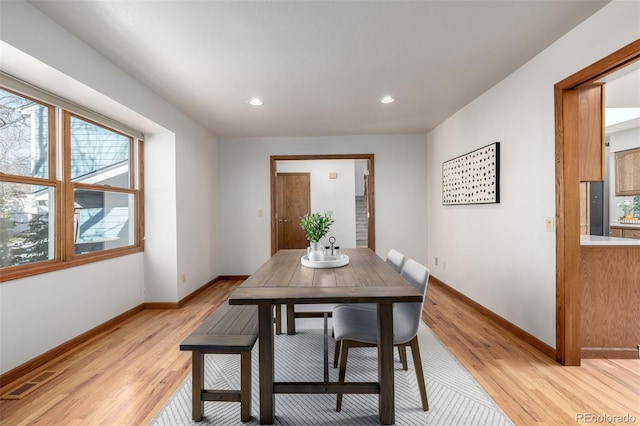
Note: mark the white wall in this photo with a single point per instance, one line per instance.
(160, 259)
(361, 167)
(333, 195)
(38, 314)
(400, 191)
(43, 311)
(500, 255)
(196, 200)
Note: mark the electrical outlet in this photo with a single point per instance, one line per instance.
(259, 212)
(444, 265)
(184, 278)
(435, 261)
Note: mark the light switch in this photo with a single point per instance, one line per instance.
(548, 224)
(259, 212)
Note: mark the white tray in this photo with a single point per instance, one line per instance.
(328, 262)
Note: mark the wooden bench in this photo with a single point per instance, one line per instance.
(228, 330)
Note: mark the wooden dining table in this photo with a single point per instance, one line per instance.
(365, 279)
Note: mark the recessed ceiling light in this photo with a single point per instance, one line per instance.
(255, 101)
(387, 99)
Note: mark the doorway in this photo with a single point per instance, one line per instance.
(367, 197)
(568, 290)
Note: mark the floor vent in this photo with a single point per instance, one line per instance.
(32, 384)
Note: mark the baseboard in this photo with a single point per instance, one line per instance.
(187, 298)
(32, 365)
(161, 305)
(512, 328)
(234, 277)
(610, 353)
(197, 291)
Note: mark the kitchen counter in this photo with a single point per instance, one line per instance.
(625, 225)
(598, 240)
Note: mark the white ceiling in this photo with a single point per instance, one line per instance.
(622, 88)
(319, 66)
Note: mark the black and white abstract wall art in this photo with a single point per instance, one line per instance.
(472, 178)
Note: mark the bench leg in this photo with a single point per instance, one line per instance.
(245, 386)
(197, 385)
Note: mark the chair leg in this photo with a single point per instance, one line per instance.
(417, 363)
(402, 351)
(336, 353)
(344, 352)
(278, 319)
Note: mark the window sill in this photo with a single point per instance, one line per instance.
(23, 271)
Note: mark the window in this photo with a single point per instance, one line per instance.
(68, 199)
(99, 165)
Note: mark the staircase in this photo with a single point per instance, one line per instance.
(362, 238)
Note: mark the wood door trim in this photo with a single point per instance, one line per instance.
(370, 196)
(568, 201)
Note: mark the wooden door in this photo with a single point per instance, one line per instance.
(293, 200)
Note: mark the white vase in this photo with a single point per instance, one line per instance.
(316, 253)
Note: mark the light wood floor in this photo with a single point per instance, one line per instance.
(124, 375)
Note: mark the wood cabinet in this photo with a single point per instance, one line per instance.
(610, 300)
(628, 172)
(625, 232)
(591, 133)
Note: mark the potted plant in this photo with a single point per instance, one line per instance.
(316, 226)
(627, 208)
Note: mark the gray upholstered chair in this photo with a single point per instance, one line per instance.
(395, 259)
(355, 327)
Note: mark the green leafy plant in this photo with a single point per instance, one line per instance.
(636, 206)
(316, 225)
(626, 206)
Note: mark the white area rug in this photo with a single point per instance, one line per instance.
(455, 398)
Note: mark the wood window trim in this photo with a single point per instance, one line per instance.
(370, 195)
(568, 290)
(71, 186)
(64, 196)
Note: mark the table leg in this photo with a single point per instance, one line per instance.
(266, 363)
(291, 319)
(386, 401)
(278, 319)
